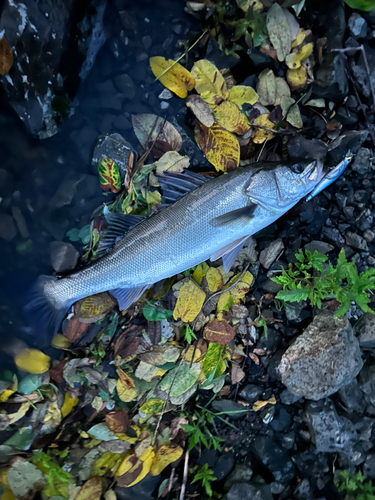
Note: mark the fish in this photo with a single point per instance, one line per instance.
(203, 219)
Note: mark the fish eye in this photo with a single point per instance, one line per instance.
(297, 168)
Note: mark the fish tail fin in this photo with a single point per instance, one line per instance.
(44, 307)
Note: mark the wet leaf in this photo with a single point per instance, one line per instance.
(171, 161)
(209, 82)
(69, 404)
(133, 469)
(164, 456)
(297, 78)
(94, 307)
(125, 392)
(282, 90)
(60, 342)
(241, 94)
(200, 272)
(213, 362)
(91, 490)
(225, 302)
(214, 279)
(161, 354)
(130, 439)
(32, 361)
(261, 134)
(219, 332)
(193, 353)
(150, 128)
(228, 115)
(146, 371)
(101, 432)
(109, 175)
(106, 462)
(10, 388)
(291, 112)
(155, 313)
(24, 479)
(181, 378)
(279, 31)
(6, 56)
(220, 147)
(201, 110)
(258, 405)
(178, 79)
(189, 302)
(237, 374)
(151, 407)
(128, 342)
(294, 60)
(266, 87)
(152, 197)
(117, 421)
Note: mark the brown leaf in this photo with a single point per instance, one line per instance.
(75, 328)
(149, 128)
(237, 374)
(332, 126)
(268, 256)
(56, 373)
(201, 110)
(219, 332)
(154, 331)
(220, 147)
(128, 342)
(254, 358)
(6, 56)
(91, 490)
(117, 421)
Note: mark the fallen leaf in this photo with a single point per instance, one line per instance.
(135, 429)
(133, 469)
(192, 353)
(254, 358)
(214, 279)
(291, 112)
(241, 94)
(294, 60)
(75, 329)
(177, 79)
(24, 479)
(109, 175)
(151, 407)
(269, 254)
(201, 110)
(301, 35)
(189, 302)
(95, 307)
(165, 455)
(69, 403)
(60, 342)
(237, 374)
(209, 82)
(117, 421)
(152, 197)
(213, 361)
(6, 56)
(297, 78)
(219, 332)
(110, 495)
(228, 115)
(261, 134)
(149, 128)
(125, 392)
(220, 147)
(106, 462)
(180, 379)
(32, 361)
(266, 87)
(128, 342)
(260, 404)
(171, 161)
(282, 90)
(12, 418)
(200, 272)
(91, 490)
(160, 355)
(279, 31)
(146, 371)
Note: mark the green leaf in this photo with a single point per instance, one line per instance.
(109, 175)
(297, 295)
(180, 379)
(29, 383)
(153, 313)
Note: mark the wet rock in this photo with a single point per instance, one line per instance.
(369, 235)
(63, 256)
(352, 397)
(311, 463)
(330, 432)
(228, 405)
(274, 457)
(115, 147)
(144, 490)
(333, 235)
(21, 222)
(126, 86)
(281, 421)
(8, 229)
(251, 393)
(362, 162)
(277, 488)
(223, 466)
(303, 490)
(319, 246)
(288, 398)
(357, 25)
(368, 467)
(356, 241)
(269, 286)
(75, 188)
(364, 220)
(301, 148)
(6, 182)
(248, 491)
(240, 474)
(323, 359)
(366, 381)
(346, 116)
(293, 311)
(349, 141)
(365, 331)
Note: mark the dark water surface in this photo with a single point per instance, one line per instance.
(48, 187)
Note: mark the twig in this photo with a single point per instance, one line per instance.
(170, 483)
(185, 476)
(181, 56)
(261, 151)
(361, 49)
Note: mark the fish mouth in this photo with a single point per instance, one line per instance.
(316, 174)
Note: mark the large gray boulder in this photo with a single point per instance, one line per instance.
(323, 359)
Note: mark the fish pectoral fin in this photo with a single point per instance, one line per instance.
(175, 185)
(127, 296)
(118, 225)
(240, 216)
(229, 252)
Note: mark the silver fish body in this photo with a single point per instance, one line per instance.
(211, 221)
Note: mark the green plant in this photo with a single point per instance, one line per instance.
(188, 334)
(57, 479)
(366, 5)
(206, 476)
(355, 487)
(199, 433)
(309, 279)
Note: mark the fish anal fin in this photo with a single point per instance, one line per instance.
(176, 185)
(229, 252)
(242, 215)
(127, 296)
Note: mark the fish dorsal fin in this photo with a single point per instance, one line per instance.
(229, 252)
(127, 296)
(118, 225)
(174, 185)
(241, 216)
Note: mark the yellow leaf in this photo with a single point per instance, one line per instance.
(128, 462)
(193, 354)
(32, 361)
(21, 412)
(60, 342)
(213, 360)
(126, 393)
(69, 404)
(189, 302)
(91, 490)
(200, 272)
(152, 197)
(260, 404)
(209, 82)
(178, 79)
(129, 439)
(301, 35)
(220, 147)
(53, 415)
(147, 459)
(6, 393)
(106, 462)
(294, 60)
(240, 94)
(164, 456)
(110, 495)
(96, 305)
(6, 56)
(228, 115)
(297, 78)
(261, 134)
(125, 379)
(225, 301)
(171, 161)
(153, 406)
(214, 279)
(7, 495)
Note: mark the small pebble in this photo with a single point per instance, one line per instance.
(164, 105)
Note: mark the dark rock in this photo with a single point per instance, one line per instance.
(20, 221)
(75, 188)
(227, 405)
(341, 200)
(301, 148)
(240, 474)
(272, 456)
(364, 220)
(362, 162)
(64, 256)
(352, 397)
(269, 286)
(333, 236)
(8, 229)
(365, 330)
(288, 440)
(146, 42)
(281, 421)
(277, 488)
(319, 246)
(319, 219)
(6, 183)
(126, 86)
(293, 311)
(357, 25)
(288, 398)
(366, 381)
(303, 490)
(144, 490)
(346, 117)
(208, 457)
(115, 147)
(368, 467)
(248, 491)
(369, 235)
(323, 359)
(311, 463)
(356, 241)
(330, 432)
(251, 393)
(223, 466)
(349, 141)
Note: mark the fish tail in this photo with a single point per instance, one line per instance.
(46, 306)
